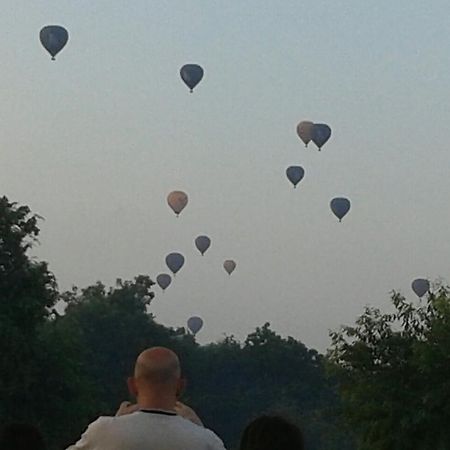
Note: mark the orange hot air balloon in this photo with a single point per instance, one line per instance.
(177, 200)
(304, 130)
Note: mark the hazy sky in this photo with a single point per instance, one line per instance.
(95, 141)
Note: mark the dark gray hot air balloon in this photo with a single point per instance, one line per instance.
(191, 74)
(229, 265)
(53, 38)
(175, 262)
(202, 243)
(420, 286)
(304, 131)
(164, 280)
(295, 174)
(195, 324)
(320, 133)
(340, 207)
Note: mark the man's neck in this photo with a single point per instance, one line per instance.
(157, 401)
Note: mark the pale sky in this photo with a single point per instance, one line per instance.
(95, 141)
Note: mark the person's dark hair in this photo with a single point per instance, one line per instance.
(18, 436)
(271, 433)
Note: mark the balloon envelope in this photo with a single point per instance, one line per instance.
(320, 133)
(175, 262)
(53, 38)
(202, 243)
(420, 286)
(195, 324)
(164, 280)
(340, 207)
(229, 265)
(191, 74)
(295, 174)
(304, 130)
(177, 200)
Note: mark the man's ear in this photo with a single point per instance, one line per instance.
(132, 388)
(181, 386)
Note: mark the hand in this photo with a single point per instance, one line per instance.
(188, 413)
(126, 408)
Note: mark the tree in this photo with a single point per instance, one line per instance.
(111, 327)
(27, 292)
(234, 383)
(40, 377)
(27, 288)
(394, 372)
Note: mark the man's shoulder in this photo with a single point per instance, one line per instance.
(94, 431)
(205, 434)
(215, 443)
(102, 421)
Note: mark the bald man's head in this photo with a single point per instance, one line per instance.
(157, 366)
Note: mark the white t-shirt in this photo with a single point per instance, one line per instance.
(147, 430)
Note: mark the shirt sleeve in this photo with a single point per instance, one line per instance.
(216, 442)
(89, 439)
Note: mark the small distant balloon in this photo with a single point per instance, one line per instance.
(295, 174)
(320, 133)
(191, 74)
(420, 286)
(195, 324)
(164, 280)
(340, 207)
(177, 200)
(175, 262)
(304, 131)
(229, 265)
(202, 243)
(53, 38)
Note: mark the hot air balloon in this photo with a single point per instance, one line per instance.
(191, 74)
(164, 280)
(420, 286)
(295, 174)
(177, 200)
(304, 130)
(53, 38)
(229, 265)
(340, 207)
(195, 324)
(175, 262)
(320, 133)
(202, 243)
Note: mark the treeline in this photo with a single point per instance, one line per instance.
(383, 384)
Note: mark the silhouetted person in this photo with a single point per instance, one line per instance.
(157, 421)
(271, 433)
(17, 436)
